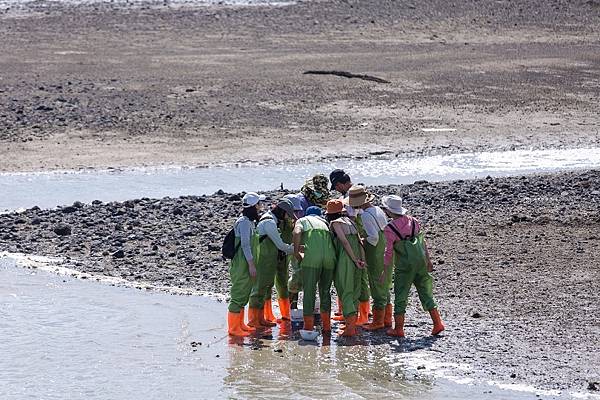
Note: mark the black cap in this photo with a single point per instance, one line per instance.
(338, 176)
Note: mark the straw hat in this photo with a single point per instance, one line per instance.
(393, 203)
(357, 196)
(334, 207)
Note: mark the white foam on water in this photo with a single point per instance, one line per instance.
(59, 266)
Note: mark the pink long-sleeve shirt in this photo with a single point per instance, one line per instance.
(403, 225)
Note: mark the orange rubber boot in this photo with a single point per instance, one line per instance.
(363, 313)
(233, 325)
(285, 309)
(387, 318)
(339, 315)
(243, 324)
(268, 311)
(377, 323)
(254, 317)
(309, 322)
(398, 330)
(350, 326)
(326, 322)
(438, 325)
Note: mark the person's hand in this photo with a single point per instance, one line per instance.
(299, 256)
(302, 248)
(252, 269)
(382, 278)
(360, 264)
(429, 266)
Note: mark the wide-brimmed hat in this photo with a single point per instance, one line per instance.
(393, 203)
(295, 201)
(334, 206)
(357, 196)
(338, 176)
(313, 210)
(287, 206)
(251, 199)
(316, 189)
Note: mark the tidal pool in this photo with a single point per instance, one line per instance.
(67, 338)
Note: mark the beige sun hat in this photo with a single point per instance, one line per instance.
(357, 196)
(393, 203)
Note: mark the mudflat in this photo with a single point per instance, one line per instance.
(516, 265)
(111, 84)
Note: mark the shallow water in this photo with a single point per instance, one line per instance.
(49, 189)
(64, 338)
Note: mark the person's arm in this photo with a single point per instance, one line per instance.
(428, 259)
(296, 239)
(390, 238)
(371, 228)
(339, 232)
(273, 233)
(245, 228)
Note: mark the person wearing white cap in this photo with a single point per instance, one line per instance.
(242, 269)
(412, 264)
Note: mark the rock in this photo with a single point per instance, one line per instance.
(593, 386)
(513, 375)
(421, 182)
(68, 209)
(62, 229)
(476, 315)
(96, 202)
(177, 211)
(78, 204)
(234, 197)
(118, 254)
(36, 221)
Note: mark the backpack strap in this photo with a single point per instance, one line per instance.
(264, 217)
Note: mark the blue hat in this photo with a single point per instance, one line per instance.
(313, 210)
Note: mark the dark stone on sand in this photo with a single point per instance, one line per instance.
(68, 209)
(593, 386)
(96, 202)
(177, 211)
(476, 315)
(118, 254)
(36, 221)
(234, 197)
(62, 229)
(421, 182)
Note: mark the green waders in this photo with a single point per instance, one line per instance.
(365, 293)
(239, 274)
(411, 268)
(375, 266)
(317, 266)
(348, 278)
(266, 267)
(282, 271)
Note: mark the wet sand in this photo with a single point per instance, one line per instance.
(516, 264)
(121, 85)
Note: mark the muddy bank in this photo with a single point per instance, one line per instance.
(110, 84)
(516, 263)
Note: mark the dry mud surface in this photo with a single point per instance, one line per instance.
(111, 84)
(516, 264)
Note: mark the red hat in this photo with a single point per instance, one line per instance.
(334, 207)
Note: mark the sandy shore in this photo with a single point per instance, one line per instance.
(115, 85)
(516, 264)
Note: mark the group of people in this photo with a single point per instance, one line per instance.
(360, 248)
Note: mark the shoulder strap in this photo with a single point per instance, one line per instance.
(374, 219)
(412, 221)
(392, 227)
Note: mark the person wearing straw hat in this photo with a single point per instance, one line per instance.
(412, 264)
(371, 221)
(242, 269)
(270, 247)
(357, 196)
(317, 264)
(350, 262)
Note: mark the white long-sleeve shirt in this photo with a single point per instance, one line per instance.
(244, 229)
(374, 221)
(268, 226)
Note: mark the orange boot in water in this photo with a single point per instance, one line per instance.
(378, 316)
(398, 330)
(350, 329)
(285, 309)
(387, 318)
(254, 317)
(309, 322)
(243, 324)
(263, 320)
(268, 312)
(233, 325)
(326, 322)
(364, 307)
(339, 315)
(438, 325)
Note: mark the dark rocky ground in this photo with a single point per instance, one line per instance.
(516, 263)
(113, 84)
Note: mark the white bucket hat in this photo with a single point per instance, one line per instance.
(394, 204)
(251, 199)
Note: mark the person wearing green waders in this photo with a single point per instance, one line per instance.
(350, 262)
(270, 244)
(242, 269)
(371, 222)
(406, 243)
(317, 265)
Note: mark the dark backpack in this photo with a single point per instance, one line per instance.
(229, 248)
